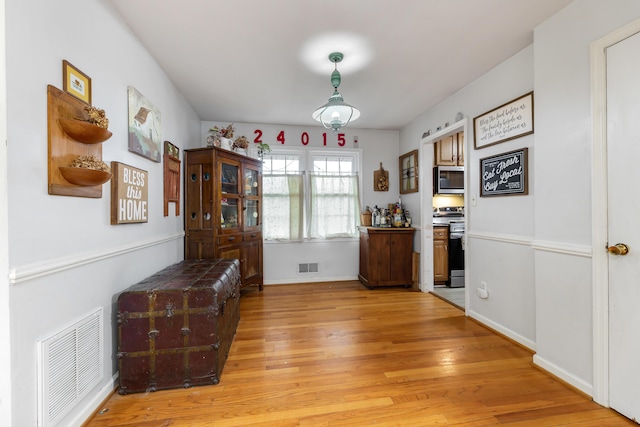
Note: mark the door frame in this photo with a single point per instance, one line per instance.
(599, 209)
(425, 167)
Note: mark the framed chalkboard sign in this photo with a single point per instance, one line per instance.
(504, 174)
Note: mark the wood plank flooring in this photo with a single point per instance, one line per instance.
(338, 354)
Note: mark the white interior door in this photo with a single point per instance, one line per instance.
(623, 154)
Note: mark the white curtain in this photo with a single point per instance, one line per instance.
(334, 206)
(283, 199)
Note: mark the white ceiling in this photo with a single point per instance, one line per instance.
(266, 61)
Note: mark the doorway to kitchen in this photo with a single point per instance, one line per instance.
(443, 258)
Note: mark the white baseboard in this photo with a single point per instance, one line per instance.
(310, 280)
(94, 403)
(526, 342)
(563, 375)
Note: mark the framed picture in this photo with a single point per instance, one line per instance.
(144, 126)
(75, 82)
(409, 172)
(505, 174)
(508, 121)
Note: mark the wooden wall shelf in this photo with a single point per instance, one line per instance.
(84, 176)
(80, 139)
(85, 132)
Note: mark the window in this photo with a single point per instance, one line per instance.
(282, 197)
(310, 194)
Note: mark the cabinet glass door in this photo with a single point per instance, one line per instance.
(229, 195)
(252, 213)
(251, 200)
(251, 182)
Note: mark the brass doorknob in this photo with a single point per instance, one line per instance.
(618, 249)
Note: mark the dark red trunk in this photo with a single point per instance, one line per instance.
(175, 328)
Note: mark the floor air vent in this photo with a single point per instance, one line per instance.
(311, 267)
(70, 364)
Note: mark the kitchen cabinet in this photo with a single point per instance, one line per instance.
(449, 151)
(440, 254)
(223, 209)
(386, 256)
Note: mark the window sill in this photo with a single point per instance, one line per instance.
(293, 242)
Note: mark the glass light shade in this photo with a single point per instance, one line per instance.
(336, 113)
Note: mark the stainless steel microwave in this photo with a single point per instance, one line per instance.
(448, 180)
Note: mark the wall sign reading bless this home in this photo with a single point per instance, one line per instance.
(129, 194)
(504, 174)
(511, 120)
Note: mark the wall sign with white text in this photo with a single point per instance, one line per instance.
(504, 174)
(129, 194)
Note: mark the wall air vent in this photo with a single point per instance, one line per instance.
(70, 364)
(311, 267)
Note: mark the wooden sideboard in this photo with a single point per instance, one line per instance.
(386, 256)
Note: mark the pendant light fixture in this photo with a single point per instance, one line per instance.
(336, 113)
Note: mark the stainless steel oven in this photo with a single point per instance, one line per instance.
(456, 254)
(454, 218)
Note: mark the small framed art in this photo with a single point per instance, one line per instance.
(75, 82)
(409, 172)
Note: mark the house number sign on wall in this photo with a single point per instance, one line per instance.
(304, 138)
(129, 194)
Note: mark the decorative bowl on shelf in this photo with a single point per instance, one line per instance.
(84, 131)
(84, 176)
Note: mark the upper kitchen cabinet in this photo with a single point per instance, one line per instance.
(449, 151)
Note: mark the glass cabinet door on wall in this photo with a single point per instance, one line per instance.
(251, 197)
(230, 196)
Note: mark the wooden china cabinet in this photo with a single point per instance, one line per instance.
(223, 209)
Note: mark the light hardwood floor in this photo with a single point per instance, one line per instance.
(338, 354)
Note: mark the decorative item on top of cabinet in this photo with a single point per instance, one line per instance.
(381, 179)
(386, 256)
(171, 177)
(449, 151)
(440, 254)
(71, 136)
(223, 204)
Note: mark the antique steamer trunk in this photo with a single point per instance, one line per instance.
(175, 328)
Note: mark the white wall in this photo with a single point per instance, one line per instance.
(65, 259)
(499, 229)
(338, 259)
(5, 332)
(534, 251)
(564, 324)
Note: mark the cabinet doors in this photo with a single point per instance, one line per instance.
(240, 189)
(440, 254)
(229, 198)
(449, 151)
(252, 211)
(400, 257)
(199, 217)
